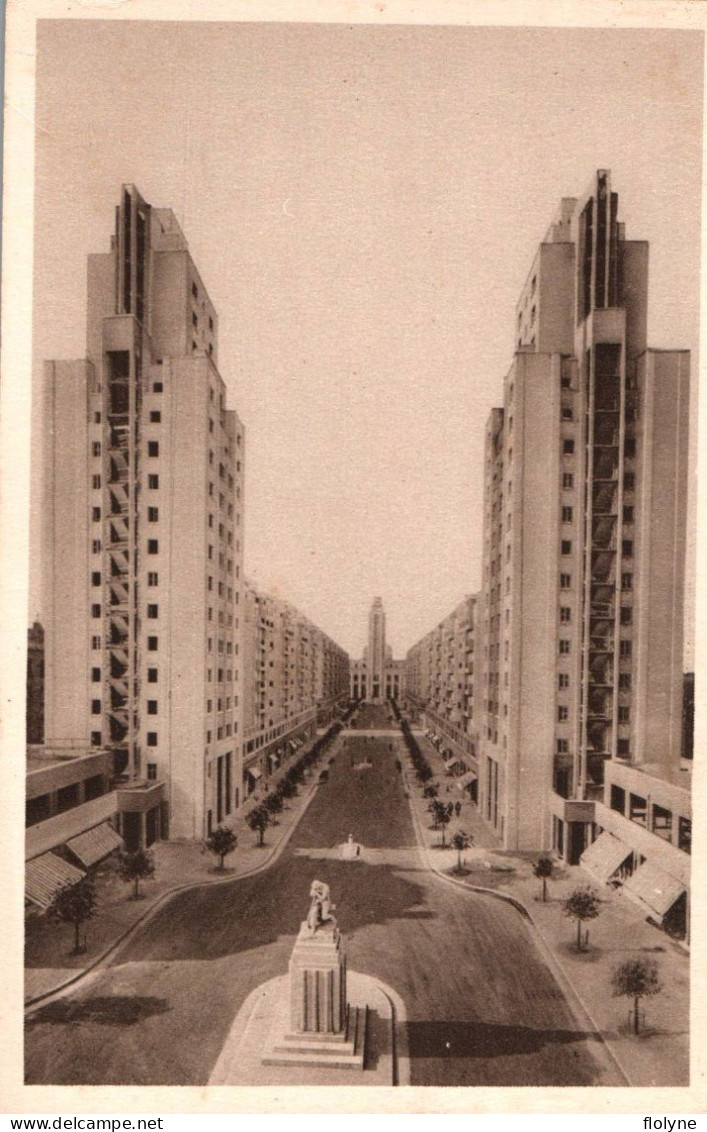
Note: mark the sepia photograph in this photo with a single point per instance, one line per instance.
(361, 554)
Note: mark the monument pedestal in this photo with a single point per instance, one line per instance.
(323, 1029)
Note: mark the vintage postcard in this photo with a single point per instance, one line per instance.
(350, 391)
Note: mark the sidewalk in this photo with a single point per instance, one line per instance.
(178, 864)
(659, 1056)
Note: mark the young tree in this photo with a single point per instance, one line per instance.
(581, 905)
(221, 842)
(461, 841)
(543, 870)
(274, 804)
(636, 979)
(75, 904)
(441, 815)
(259, 820)
(134, 867)
(431, 790)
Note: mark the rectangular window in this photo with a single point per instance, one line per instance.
(563, 713)
(96, 578)
(563, 680)
(627, 548)
(626, 615)
(95, 611)
(625, 649)
(564, 646)
(629, 481)
(152, 546)
(565, 613)
(627, 581)
(152, 612)
(153, 514)
(152, 738)
(567, 480)
(96, 482)
(152, 643)
(153, 481)
(95, 642)
(96, 447)
(565, 581)
(95, 707)
(629, 448)
(153, 448)
(155, 416)
(96, 546)
(568, 447)
(151, 771)
(152, 676)
(566, 546)
(628, 514)
(152, 578)
(565, 381)
(566, 514)
(566, 413)
(624, 714)
(563, 746)
(96, 514)
(624, 681)
(157, 387)
(96, 420)
(96, 738)
(152, 707)
(96, 675)
(623, 747)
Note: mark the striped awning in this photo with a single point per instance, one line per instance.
(45, 875)
(95, 844)
(467, 779)
(604, 856)
(454, 760)
(653, 888)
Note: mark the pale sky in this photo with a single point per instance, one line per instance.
(363, 204)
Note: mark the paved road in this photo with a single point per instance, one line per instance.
(483, 1008)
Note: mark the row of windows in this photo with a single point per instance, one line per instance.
(623, 747)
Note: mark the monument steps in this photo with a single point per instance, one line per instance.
(347, 1051)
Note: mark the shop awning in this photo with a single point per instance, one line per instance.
(95, 844)
(604, 856)
(455, 760)
(293, 745)
(45, 875)
(254, 772)
(655, 889)
(467, 779)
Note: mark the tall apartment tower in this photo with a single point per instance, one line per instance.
(376, 655)
(143, 529)
(584, 537)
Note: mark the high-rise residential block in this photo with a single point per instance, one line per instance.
(295, 678)
(440, 687)
(584, 541)
(143, 537)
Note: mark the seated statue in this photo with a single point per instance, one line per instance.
(320, 908)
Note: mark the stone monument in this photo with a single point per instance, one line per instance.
(323, 1028)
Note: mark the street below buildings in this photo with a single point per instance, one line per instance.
(483, 1008)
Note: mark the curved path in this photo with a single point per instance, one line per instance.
(483, 1008)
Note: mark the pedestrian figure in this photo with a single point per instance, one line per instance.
(458, 808)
